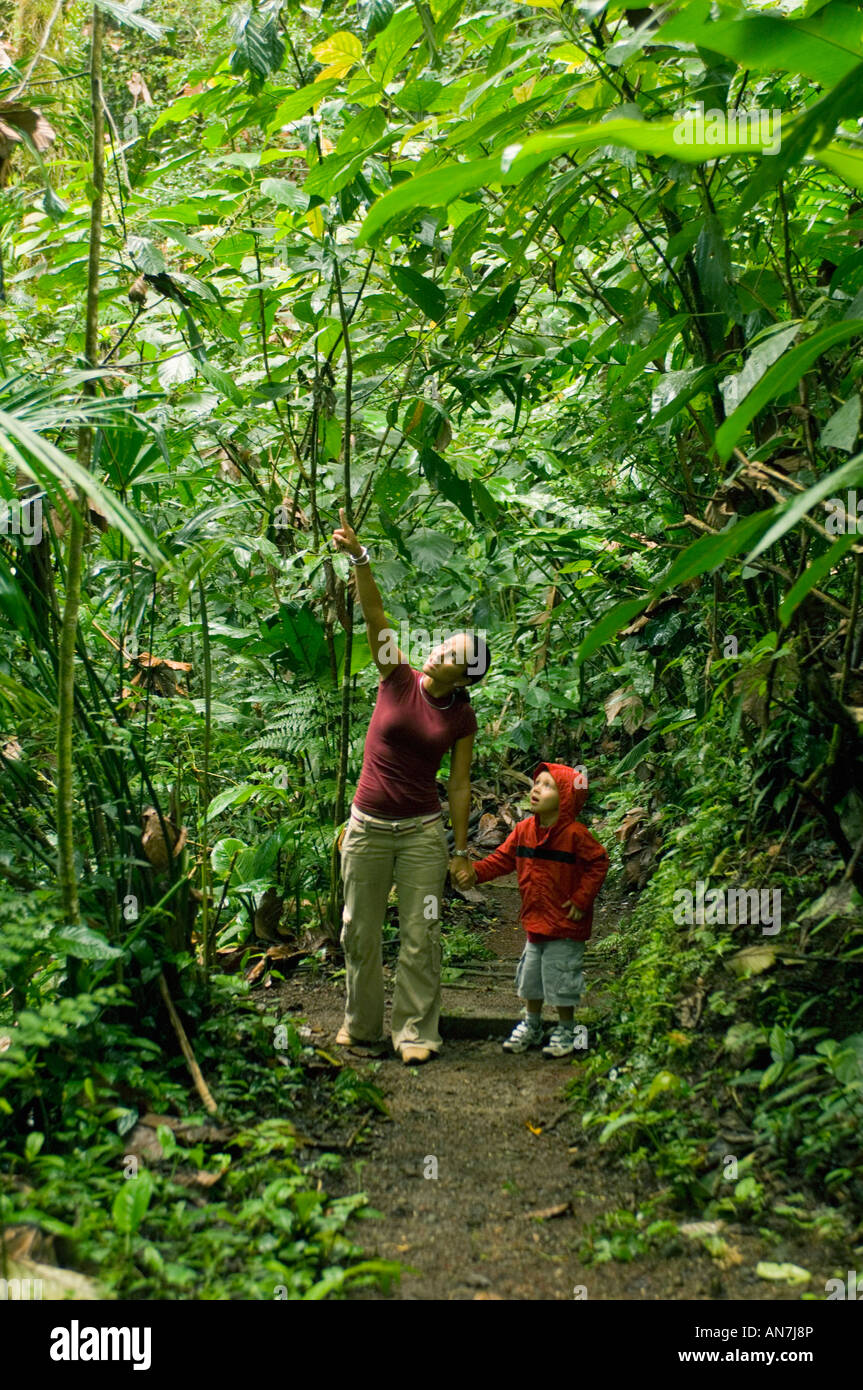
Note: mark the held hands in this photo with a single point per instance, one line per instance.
(462, 873)
(345, 537)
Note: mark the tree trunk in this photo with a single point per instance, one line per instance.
(75, 553)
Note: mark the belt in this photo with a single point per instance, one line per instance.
(396, 825)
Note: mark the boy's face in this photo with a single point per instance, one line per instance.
(544, 797)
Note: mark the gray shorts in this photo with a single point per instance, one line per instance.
(551, 970)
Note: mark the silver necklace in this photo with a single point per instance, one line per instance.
(429, 702)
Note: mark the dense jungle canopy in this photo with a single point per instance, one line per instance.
(563, 304)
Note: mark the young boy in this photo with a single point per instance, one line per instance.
(560, 870)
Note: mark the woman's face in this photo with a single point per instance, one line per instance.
(447, 663)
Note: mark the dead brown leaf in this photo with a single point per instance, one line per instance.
(257, 970)
(29, 1242)
(188, 1133)
(629, 704)
(156, 673)
(139, 90)
(21, 125)
(205, 1179)
(268, 915)
(144, 1144)
(55, 1285)
(153, 840)
(548, 1213)
(752, 960)
(689, 1009)
(642, 840)
(491, 831)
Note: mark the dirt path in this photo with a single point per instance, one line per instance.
(480, 1152)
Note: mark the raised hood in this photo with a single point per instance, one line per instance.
(572, 796)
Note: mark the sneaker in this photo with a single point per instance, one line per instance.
(561, 1042)
(524, 1035)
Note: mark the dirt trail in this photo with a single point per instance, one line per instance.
(480, 1149)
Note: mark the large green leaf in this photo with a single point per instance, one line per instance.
(298, 103)
(823, 46)
(454, 488)
(813, 127)
(131, 1202)
(813, 575)
(781, 377)
(715, 276)
(485, 502)
(48, 466)
(843, 427)
(259, 46)
(81, 942)
(492, 314)
(765, 352)
(225, 852)
(680, 140)
(223, 381)
(848, 476)
(285, 193)
(674, 390)
(361, 652)
(847, 163)
(704, 555)
(424, 292)
(656, 348)
(131, 15)
(294, 637)
(375, 15)
(609, 624)
(708, 552)
(430, 549)
(431, 190)
(393, 42)
(439, 187)
(340, 169)
(146, 257)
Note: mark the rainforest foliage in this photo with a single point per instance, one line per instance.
(564, 303)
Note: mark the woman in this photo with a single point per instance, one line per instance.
(396, 830)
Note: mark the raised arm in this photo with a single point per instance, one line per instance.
(382, 638)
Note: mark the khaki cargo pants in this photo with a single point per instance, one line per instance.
(414, 856)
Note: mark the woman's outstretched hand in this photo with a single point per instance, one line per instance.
(462, 872)
(345, 537)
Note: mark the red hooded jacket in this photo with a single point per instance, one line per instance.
(557, 865)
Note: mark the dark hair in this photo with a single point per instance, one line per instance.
(480, 662)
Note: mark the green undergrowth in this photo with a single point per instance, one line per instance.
(725, 1063)
(105, 1146)
(460, 943)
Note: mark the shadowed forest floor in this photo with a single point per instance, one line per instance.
(518, 1181)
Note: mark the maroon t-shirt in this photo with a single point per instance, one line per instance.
(409, 733)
